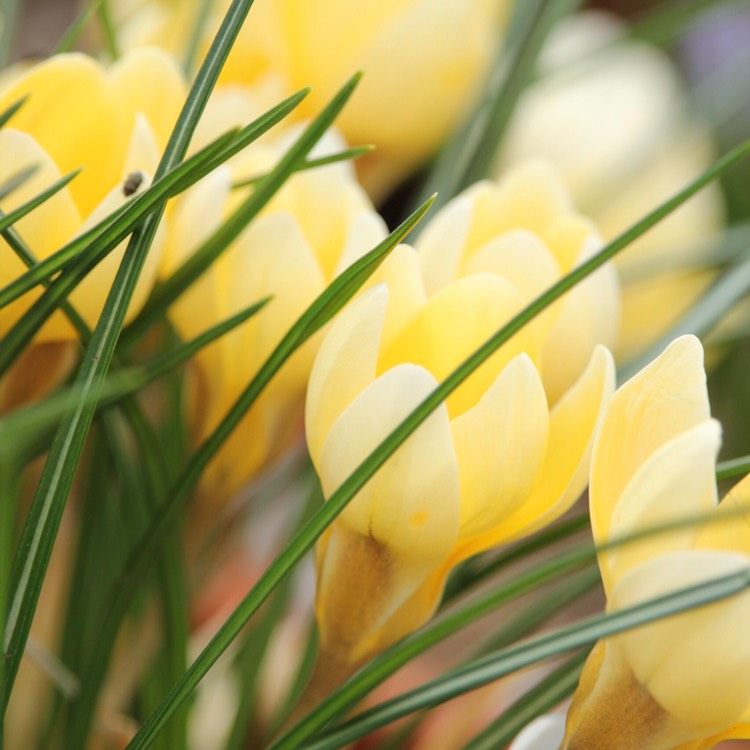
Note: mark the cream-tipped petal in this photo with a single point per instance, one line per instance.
(573, 424)
(544, 733)
(161, 99)
(730, 529)
(345, 365)
(500, 445)
(696, 665)
(406, 293)
(455, 322)
(677, 481)
(412, 505)
(441, 243)
(662, 401)
(89, 296)
(143, 152)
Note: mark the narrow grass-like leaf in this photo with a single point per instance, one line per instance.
(108, 28)
(488, 669)
(15, 181)
(338, 293)
(547, 604)
(470, 152)
(199, 262)
(26, 424)
(30, 564)
(304, 541)
(541, 698)
(10, 111)
(70, 37)
(732, 468)
(17, 214)
(348, 154)
(481, 567)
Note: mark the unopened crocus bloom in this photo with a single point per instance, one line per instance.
(611, 114)
(319, 222)
(424, 61)
(504, 455)
(106, 122)
(682, 682)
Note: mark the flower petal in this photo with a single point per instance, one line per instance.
(500, 445)
(544, 733)
(677, 481)
(412, 504)
(455, 322)
(345, 365)
(696, 665)
(661, 402)
(573, 423)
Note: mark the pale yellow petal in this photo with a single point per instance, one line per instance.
(345, 365)
(455, 322)
(143, 152)
(500, 445)
(72, 113)
(677, 481)
(696, 665)
(89, 296)
(406, 294)
(573, 423)
(149, 81)
(196, 216)
(412, 504)
(531, 196)
(588, 315)
(661, 402)
(441, 242)
(47, 228)
(731, 530)
(523, 259)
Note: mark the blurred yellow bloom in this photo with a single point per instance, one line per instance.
(611, 113)
(424, 61)
(683, 682)
(108, 122)
(317, 225)
(506, 454)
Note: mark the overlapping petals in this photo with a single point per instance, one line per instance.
(500, 458)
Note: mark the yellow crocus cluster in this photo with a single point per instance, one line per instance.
(682, 683)
(424, 62)
(506, 453)
(612, 115)
(317, 225)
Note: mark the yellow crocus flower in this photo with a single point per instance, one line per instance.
(317, 225)
(506, 454)
(683, 682)
(110, 122)
(424, 62)
(611, 114)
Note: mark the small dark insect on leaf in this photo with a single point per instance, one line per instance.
(133, 181)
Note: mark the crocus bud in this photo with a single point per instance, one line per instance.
(502, 456)
(682, 682)
(105, 121)
(610, 112)
(318, 224)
